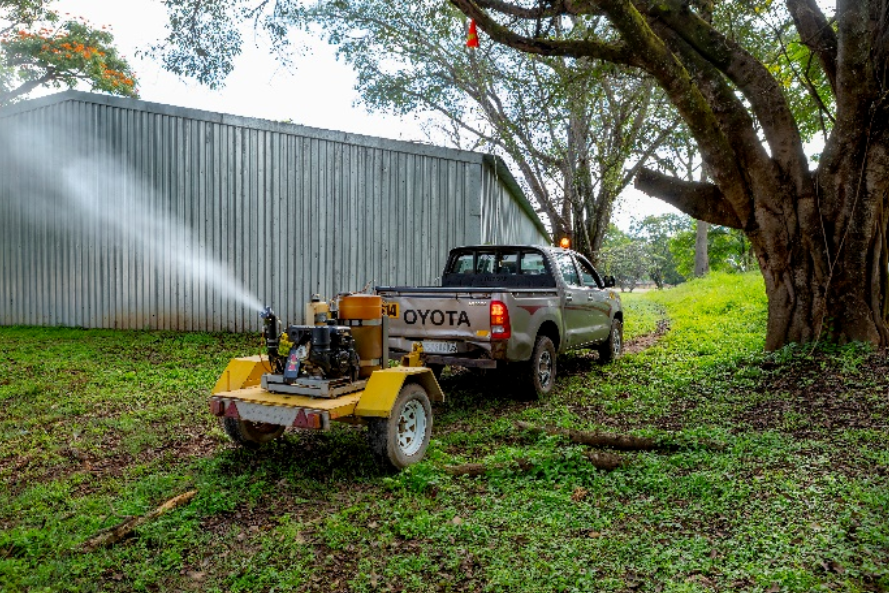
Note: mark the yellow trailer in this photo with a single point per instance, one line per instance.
(258, 397)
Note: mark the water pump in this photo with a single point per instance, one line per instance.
(325, 351)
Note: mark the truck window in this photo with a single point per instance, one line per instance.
(532, 263)
(588, 274)
(508, 263)
(509, 267)
(463, 264)
(487, 263)
(566, 267)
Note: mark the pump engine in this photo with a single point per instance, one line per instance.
(325, 351)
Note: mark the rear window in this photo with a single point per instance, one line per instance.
(507, 267)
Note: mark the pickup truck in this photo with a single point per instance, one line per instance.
(508, 306)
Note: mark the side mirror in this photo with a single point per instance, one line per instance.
(608, 281)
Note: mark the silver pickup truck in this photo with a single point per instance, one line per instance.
(513, 306)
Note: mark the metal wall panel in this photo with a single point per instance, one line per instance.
(125, 214)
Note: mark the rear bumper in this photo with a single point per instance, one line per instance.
(459, 361)
(258, 405)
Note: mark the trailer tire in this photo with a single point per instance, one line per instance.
(540, 372)
(610, 349)
(401, 439)
(251, 434)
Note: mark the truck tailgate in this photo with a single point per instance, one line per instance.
(441, 316)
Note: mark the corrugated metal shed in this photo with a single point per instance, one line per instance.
(122, 213)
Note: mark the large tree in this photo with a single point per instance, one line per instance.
(39, 48)
(820, 234)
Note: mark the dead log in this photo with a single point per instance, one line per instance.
(615, 441)
(597, 439)
(111, 535)
(603, 461)
(606, 461)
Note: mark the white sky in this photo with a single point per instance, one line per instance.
(319, 92)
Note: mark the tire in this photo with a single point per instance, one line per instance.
(611, 348)
(401, 439)
(251, 434)
(540, 371)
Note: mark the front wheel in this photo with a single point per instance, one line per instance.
(401, 439)
(541, 369)
(251, 434)
(611, 348)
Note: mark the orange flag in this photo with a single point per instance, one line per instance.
(472, 37)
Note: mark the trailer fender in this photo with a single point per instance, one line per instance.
(242, 372)
(384, 385)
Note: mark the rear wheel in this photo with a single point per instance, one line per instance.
(612, 347)
(251, 434)
(401, 439)
(540, 371)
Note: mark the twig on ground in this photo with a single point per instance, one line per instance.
(111, 535)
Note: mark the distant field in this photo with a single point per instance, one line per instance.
(776, 477)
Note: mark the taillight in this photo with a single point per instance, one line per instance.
(500, 328)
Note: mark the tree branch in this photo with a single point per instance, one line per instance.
(702, 201)
(27, 87)
(816, 34)
(616, 53)
(751, 77)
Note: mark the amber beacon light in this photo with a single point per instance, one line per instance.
(565, 243)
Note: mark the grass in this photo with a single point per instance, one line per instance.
(100, 425)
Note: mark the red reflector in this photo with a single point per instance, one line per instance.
(232, 411)
(307, 420)
(500, 328)
(217, 407)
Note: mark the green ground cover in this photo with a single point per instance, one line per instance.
(777, 480)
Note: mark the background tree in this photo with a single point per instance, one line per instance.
(820, 235)
(625, 257)
(38, 48)
(729, 250)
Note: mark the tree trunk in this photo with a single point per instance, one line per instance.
(702, 259)
(830, 284)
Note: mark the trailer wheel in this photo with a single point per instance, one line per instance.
(401, 439)
(540, 371)
(611, 348)
(251, 434)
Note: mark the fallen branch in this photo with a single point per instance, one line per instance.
(111, 535)
(603, 461)
(597, 439)
(614, 441)
(606, 461)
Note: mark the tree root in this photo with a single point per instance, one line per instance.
(111, 535)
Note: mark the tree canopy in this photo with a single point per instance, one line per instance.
(571, 127)
(39, 48)
(819, 234)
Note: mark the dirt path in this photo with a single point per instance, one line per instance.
(640, 343)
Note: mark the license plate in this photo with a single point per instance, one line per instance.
(390, 310)
(439, 347)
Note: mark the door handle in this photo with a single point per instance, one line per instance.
(590, 296)
(569, 297)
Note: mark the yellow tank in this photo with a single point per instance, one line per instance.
(317, 312)
(364, 314)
